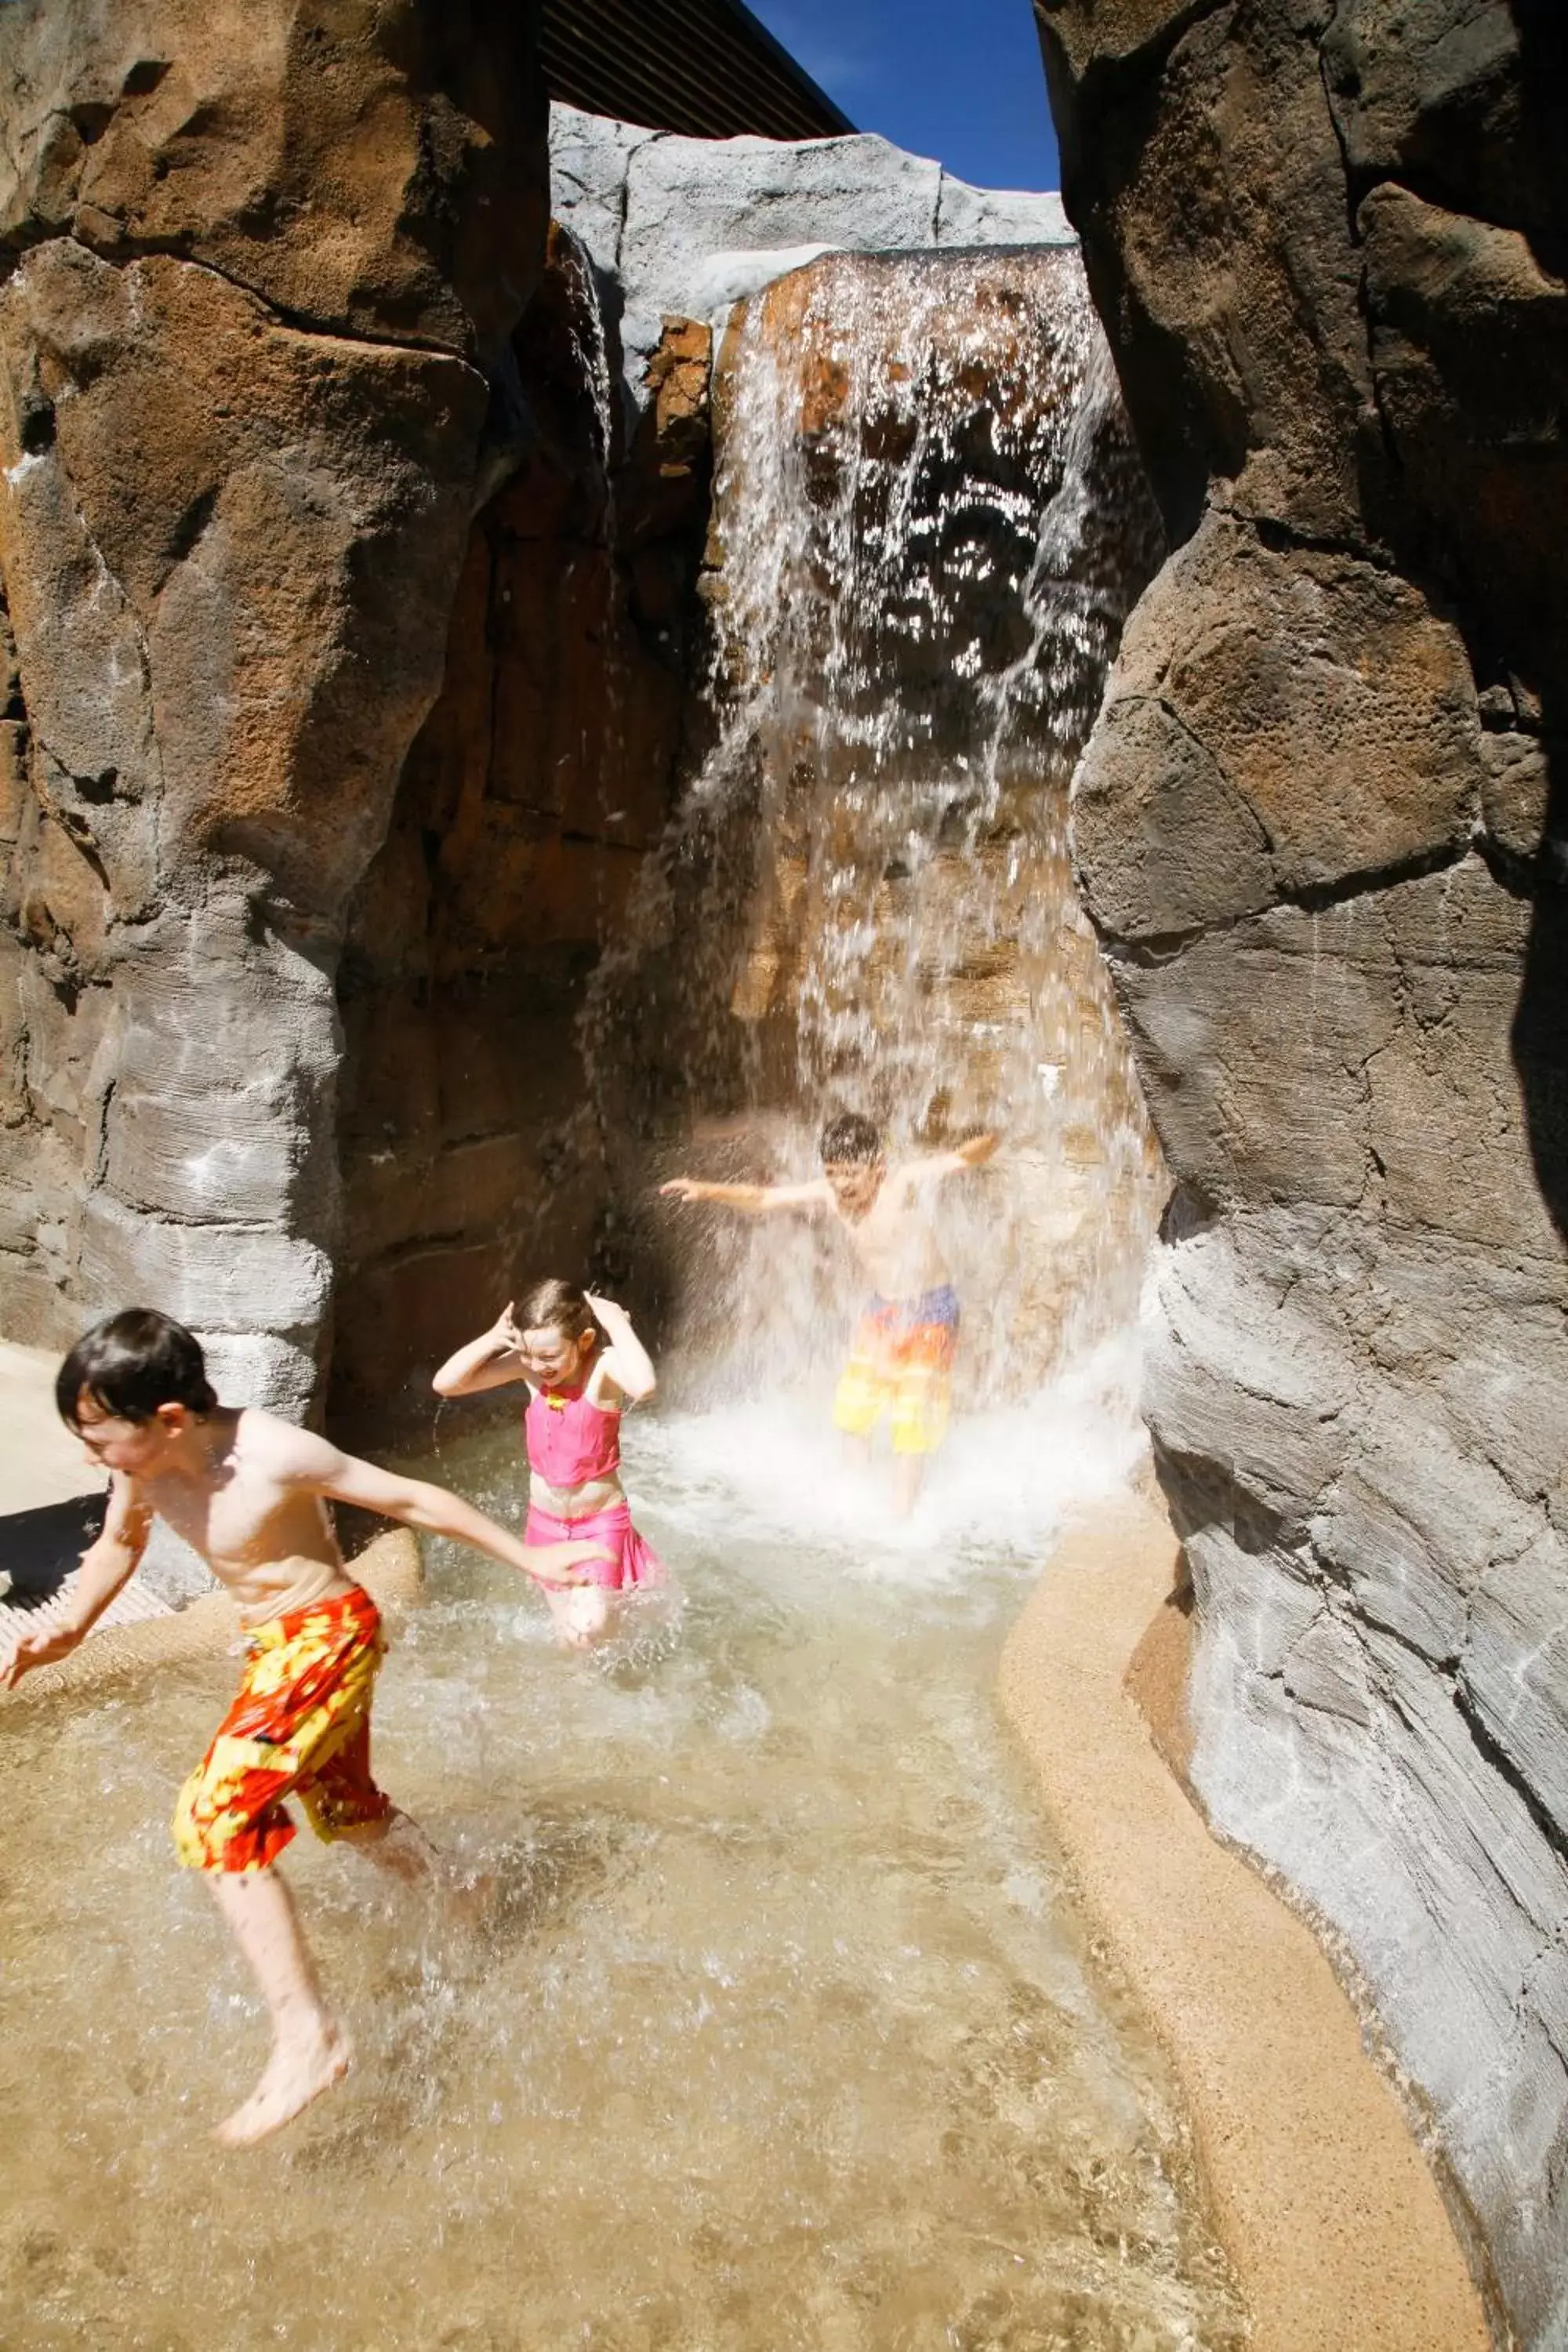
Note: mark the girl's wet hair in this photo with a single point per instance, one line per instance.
(555, 1305)
(129, 1364)
(850, 1138)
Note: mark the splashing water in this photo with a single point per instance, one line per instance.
(783, 2036)
(929, 526)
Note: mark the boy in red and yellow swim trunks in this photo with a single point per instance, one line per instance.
(900, 1367)
(901, 1360)
(247, 1492)
(299, 1727)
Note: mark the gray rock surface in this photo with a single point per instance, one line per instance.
(590, 157)
(1319, 828)
(970, 217)
(686, 228)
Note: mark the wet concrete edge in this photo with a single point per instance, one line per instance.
(1319, 2191)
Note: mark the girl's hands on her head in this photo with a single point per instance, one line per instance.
(505, 1328)
(626, 1360)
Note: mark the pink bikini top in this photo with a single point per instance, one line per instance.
(571, 1441)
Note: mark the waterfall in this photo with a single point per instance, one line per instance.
(928, 527)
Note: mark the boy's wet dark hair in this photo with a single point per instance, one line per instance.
(850, 1138)
(555, 1305)
(129, 1364)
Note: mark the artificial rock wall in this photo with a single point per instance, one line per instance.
(1323, 829)
(468, 1131)
(257, 262)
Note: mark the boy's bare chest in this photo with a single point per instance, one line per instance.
(891, 1240)
(892, 1222)
(242, 1516)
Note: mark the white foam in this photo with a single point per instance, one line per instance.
(775, 1469)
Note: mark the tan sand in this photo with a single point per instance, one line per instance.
(40, 1461)
(1320, 2194)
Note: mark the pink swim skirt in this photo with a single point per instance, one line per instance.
(632, 1561)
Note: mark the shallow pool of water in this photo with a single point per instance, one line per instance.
(783, 2033)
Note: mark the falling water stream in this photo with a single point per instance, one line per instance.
(784, 2031)
(929, 525)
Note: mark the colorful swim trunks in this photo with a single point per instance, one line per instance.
(299, 1727)
(900, 1364)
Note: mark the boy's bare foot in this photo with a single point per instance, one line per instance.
(909, 1471)
(294, 2075)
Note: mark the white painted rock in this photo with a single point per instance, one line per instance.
(688, 227)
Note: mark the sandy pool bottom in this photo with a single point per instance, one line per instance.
(781, 2034)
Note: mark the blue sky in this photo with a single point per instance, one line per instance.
(958, 79)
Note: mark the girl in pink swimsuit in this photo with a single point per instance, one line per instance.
(583, 1364)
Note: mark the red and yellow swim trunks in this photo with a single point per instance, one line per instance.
(900, 1364)
(299, 1727)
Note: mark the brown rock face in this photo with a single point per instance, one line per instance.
(364, 167)
(220, 475)
(1322, 829)
(1317, 721)
(254, 260)
(543, 774)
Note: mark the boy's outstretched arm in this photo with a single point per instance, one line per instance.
(977, 1151)
(974, 1153)
(625, 1359)
(106, 1565)
(752, 1200)
(310, 1462)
